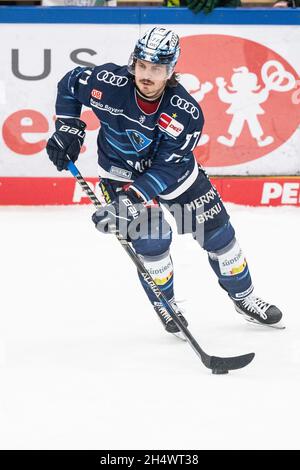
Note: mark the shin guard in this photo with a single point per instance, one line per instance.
(231, 267)
(161, 269)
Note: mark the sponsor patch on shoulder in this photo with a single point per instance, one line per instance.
(170, 125)
(96, 94)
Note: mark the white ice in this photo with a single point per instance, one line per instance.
(85, 363)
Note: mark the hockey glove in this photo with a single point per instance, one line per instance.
(66, 142)
(122, 215)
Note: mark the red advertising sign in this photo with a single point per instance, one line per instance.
(248, 97)
(252, 191)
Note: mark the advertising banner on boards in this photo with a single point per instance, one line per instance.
(245, 78)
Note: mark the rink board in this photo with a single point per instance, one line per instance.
(251, 191)
(38, 46)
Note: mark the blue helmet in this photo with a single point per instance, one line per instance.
(159, 46)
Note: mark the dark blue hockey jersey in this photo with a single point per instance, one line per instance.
(153, 151)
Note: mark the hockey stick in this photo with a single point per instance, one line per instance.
(218, 365)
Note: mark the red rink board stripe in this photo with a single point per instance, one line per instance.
(260, 190)
(252, 191)
(36, 191)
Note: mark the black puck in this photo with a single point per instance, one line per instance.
(219, 371)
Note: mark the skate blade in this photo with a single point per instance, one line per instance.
(275, 326)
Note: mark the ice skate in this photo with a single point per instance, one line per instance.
(256, 310)
(167, 321)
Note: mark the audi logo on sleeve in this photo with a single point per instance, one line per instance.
(111, 78)
(185, 105)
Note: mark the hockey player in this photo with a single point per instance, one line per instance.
(150, 126)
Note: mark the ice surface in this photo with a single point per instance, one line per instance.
(85, 363)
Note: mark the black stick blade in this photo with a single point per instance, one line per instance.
(223, 364)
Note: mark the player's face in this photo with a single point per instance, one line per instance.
(150, 78)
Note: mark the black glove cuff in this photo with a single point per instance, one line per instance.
(134, 197)
(72, 122)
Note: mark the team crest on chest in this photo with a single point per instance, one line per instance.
(138, 140)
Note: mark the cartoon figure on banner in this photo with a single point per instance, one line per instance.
(197, 90)
(245, 97)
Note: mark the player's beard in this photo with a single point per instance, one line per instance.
(149, 91)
